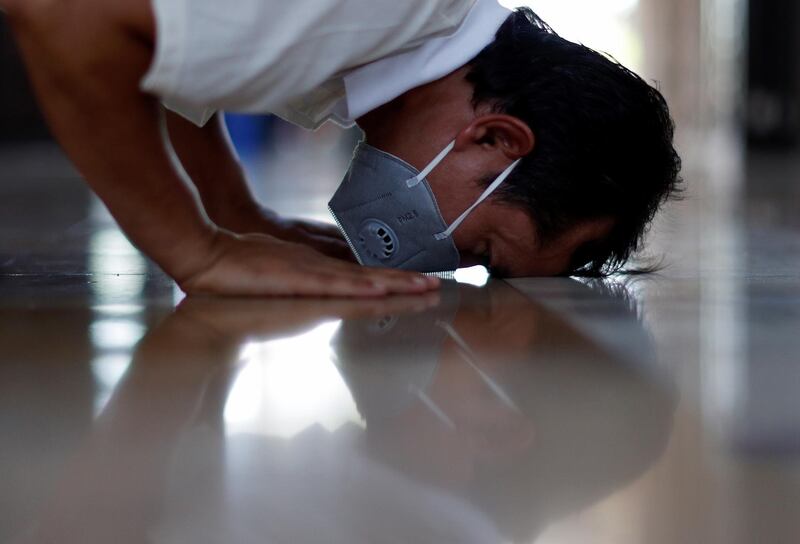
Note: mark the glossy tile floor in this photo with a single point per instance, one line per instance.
(661, 410)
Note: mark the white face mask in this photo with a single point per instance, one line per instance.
(388, 214)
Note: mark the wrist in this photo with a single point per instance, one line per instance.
(194, 255)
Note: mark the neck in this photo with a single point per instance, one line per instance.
(380, 124)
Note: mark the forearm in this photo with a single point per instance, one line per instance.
(207, 155)
(86, 59)
(86, 77)
(112, 490)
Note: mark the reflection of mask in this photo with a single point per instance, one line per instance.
(390, 363)
(382, 360)
(388, 214)
(469, 357)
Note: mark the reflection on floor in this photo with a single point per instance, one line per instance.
(661, 410)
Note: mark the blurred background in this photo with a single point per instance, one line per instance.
(729, 68)
(723, 313)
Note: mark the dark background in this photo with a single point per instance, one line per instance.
(19, 116)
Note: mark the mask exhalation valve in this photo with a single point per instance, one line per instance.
(377, 240)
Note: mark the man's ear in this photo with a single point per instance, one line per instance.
(500, 133)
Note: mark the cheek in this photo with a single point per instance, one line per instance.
(472, 237)
(513, 230)
(497, 227)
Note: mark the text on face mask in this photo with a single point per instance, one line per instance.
(407, 217)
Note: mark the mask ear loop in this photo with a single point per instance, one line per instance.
(486, 194)
(413, 182)
(471, 359)
(433, 407)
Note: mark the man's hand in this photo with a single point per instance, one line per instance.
(323, 237)
(261, 265)
(85, 59)
(253, 219)
(207, 155)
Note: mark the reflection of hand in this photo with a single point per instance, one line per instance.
(260, 265)
(112, 489)
(238, 319)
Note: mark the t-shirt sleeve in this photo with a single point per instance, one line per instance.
(253, 56)
(163, 78)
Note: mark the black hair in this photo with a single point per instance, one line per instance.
(604, 138)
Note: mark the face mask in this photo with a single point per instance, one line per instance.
(387, 212)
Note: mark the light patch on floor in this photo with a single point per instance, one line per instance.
(286, 386)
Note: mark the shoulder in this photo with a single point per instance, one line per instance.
(133, 15)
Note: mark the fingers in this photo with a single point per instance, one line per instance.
(380, 280)
(319, 228)
(402, 282)
(262, 266)
(338, 249)
(328, 243)
(363, 283)
(340, 285)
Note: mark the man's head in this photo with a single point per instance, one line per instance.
(596, 143)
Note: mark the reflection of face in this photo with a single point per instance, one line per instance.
(468, 426)
(464, 419)
(494, 427)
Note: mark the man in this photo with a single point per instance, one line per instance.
(567, 153)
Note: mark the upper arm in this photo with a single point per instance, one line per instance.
(83, 31)
(136, 15)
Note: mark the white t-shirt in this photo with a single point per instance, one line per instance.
(309, 61)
